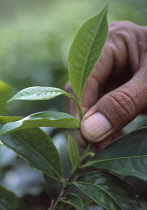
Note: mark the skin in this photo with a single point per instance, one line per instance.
(116, 92)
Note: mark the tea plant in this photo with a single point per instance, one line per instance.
(126, 156)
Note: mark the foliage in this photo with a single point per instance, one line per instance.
(126, 156)
(88, 44)
(35, 37)
(9, 201)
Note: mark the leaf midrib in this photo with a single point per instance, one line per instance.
(36, 151)
(45, 120)
(98, 186)
(38, 94)
(97, 161)
(45, 92)
(73, 204)
(23, 123)
(88, 55)
(33, 93)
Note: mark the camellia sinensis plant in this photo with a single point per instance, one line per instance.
(100, 177)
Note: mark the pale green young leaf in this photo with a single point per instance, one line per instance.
(38, 93)
(9, 201)
(42, 119)
(126, 156)
(5, 93)
(110, 192)
(73, 200)
(86, 50)
(36, 147)
(73, 152)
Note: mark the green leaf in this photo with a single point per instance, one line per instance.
(110, 192)
(5, 92)
(74, 153)
(38, 93)
(7, 119)
(42, 119)
(73, 200)
(126, 156)
(9, 201)
(86, 50)
(36, 147)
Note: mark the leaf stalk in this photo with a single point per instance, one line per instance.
(78, 105)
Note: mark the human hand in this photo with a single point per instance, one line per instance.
(116, 92)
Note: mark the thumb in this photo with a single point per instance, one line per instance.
(115, 109)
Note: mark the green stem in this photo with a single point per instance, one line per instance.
(85, 152)
(77, 103)
(84, 155)
(67, 183)
(79, 107)
(64, 182)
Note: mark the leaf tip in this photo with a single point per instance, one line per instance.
(11, 99)
(106, 6)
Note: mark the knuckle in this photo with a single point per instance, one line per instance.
(124, 105)
(122, 26)
(122, 29)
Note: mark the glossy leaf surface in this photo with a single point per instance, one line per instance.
(74, 152)
(8, 200)
(38, 93)
(74, 201)
(110, 192)
(36, 147)
(86, 50)
(126, 156)
(42, 119)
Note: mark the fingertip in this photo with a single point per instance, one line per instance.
(95, 127)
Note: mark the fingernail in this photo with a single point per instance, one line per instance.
(96, 126)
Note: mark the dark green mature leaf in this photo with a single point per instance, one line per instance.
(74, 153)
(86, 50)
(110, 192)
(38, 93)
(126, 156)
(5, 92)
(9, 201)
(36, 147)
(42, 119)
(73, 200)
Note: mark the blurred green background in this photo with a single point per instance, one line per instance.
(35, 37)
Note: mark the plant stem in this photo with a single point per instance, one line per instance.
(67, 183)
(77, 103)
(79, 107)
(53, 207)
(84, 155)
(63, 181)
(85, 152)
